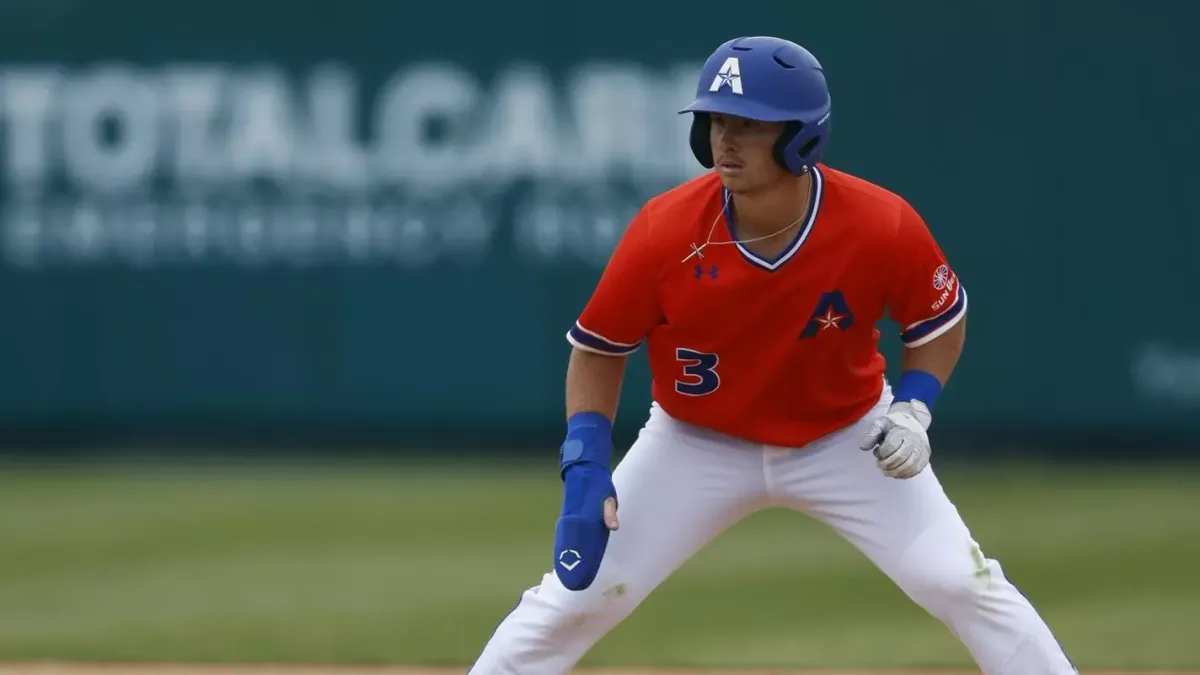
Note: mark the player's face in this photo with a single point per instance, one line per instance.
(743, 152)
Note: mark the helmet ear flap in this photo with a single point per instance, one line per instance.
(699, 139)
(788, 157)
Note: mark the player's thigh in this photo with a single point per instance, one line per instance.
(910, 530)
(896, 523)
(837, 482)
(677, 489)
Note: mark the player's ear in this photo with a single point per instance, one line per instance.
(700, 142)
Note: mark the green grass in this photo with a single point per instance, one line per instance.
(417, 565)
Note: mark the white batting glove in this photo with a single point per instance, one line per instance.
(899, 439)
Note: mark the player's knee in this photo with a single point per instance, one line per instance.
(947, 586)
(946, 578)
(604, 603)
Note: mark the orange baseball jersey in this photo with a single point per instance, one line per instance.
(780, 351)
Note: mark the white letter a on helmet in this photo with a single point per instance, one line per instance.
(730, 74)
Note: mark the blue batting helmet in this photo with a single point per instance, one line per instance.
(770, 80)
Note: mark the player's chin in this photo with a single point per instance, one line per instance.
(733, 181)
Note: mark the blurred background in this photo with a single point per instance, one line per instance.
(286, 286)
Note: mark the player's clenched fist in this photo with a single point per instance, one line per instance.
(900, 439)
(589, 510)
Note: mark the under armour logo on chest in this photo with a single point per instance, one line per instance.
(700, 272)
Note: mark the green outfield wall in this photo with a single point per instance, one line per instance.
(304, 220)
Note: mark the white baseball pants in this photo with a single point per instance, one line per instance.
(680, 486)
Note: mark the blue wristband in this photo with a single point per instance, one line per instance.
(918, 385)
(589, 439)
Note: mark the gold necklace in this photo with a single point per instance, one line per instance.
(697, 250)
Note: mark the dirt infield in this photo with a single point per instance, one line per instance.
(170, 669)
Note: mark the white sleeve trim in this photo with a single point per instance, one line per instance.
(579, 345)
(940, 330)
(622, 345)
(592, 341)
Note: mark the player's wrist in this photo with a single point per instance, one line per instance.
(589, 440)
(918, 385)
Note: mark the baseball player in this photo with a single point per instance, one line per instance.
(756, 289)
